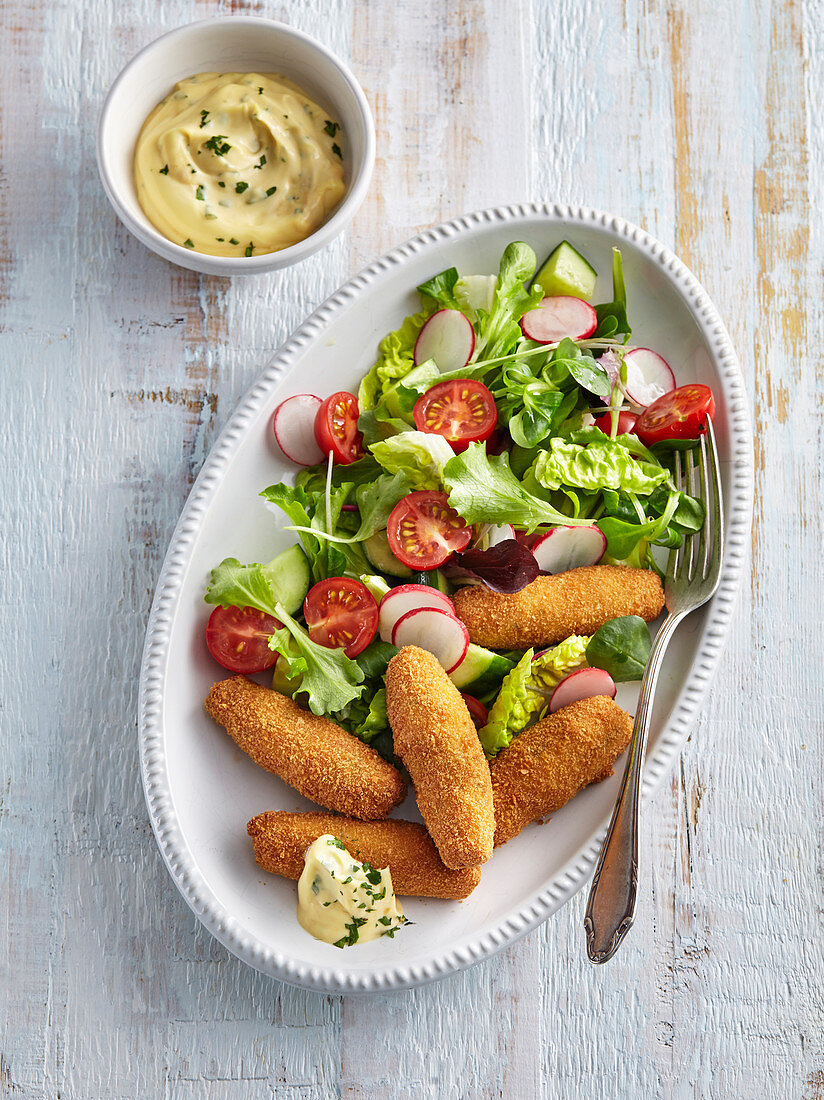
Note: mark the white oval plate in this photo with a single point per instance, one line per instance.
(201, 790)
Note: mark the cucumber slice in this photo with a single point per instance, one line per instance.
(376, 548)
(481, 670)
(566, 272)
(289, 576)
(434, 578)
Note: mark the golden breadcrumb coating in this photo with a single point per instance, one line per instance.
(437, 741)
(405, 847)
(549, 763)
(551, 608)
(313, 754)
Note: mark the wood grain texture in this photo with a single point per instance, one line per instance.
(703, 123)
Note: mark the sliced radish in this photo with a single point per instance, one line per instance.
(559, 317)
(569, 548)
(648, 376)
(436, 631)
(499, 533)
(584, 683)
(294, 427)
(406, 597)
(447, 337)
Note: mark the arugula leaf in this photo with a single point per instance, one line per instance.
(621, 647)
(612, 316)
(483, 489)
(330, 679)
(236, 585)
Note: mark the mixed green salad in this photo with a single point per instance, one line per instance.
(507, 428)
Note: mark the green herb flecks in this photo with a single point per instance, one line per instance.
(240, 187)
(188, 243)
(353, 930)
(336, 150)
(218, 144)
(199, 193)
(331, 128)
(164, 171)
(204, 118)
(270, 190)
(261, 162)
(234, 240)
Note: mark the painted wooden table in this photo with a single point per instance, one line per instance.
(700, 121)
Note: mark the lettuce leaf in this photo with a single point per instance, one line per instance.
(420, 456)
(236, 585)
(525, 691)
(483, 489)
(475, 293)
(498, 329)
(602, 464)
(330, 679)
(396, 357)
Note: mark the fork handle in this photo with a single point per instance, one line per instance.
(611, 907)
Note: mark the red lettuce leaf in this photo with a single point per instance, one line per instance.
(506, 567)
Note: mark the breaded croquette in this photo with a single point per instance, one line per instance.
(437, 741)
(405, 847)
(313, 754)
(551, 608)
(549, 763)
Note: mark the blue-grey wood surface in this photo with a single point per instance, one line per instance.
(702, 122)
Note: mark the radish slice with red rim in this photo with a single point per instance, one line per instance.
(436, 631)
(569, 548)
(447, 337)
(407, 597)
(648, 376)
(499, 533)
(584, 683)
(560, 317)
(294, 427)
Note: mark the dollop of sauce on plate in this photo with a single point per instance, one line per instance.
(238, 164)
(343, 901)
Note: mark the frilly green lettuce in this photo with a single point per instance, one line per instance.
(598, 466)
(524, 692)
(421, 456)
(396, 358)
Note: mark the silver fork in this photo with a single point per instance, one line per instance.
(693, 572)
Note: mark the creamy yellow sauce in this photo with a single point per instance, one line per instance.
(238, 164)
(343, 901)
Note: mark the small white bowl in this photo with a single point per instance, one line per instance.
(231, 44)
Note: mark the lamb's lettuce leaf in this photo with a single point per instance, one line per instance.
(498, 329)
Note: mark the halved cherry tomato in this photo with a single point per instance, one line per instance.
(462, 411)
(238, 638)
(341, 614)
(423, 530)
(626, 422)
(679, 414)
(477, 711)
(336, 428)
